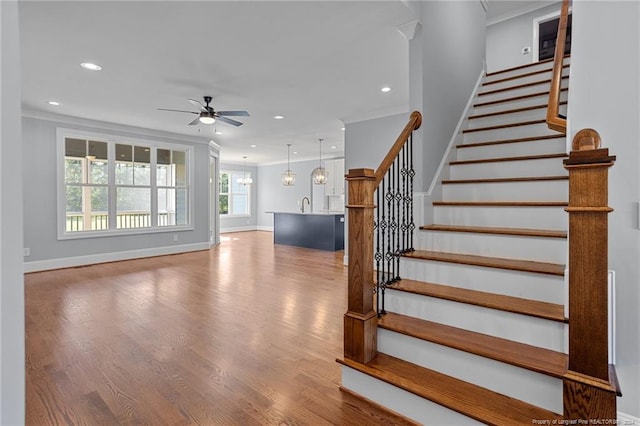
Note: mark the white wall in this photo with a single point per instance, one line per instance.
(367, 142)
(39, 172)
(506, 39)
(12, 385)
(447, 55)
(605, 95)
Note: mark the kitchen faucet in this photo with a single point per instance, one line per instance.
(302, 203)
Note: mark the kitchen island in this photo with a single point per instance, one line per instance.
(322, 231)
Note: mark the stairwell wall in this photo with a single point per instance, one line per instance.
(605, 95)
(506, 38)
(12, 338)
(446, 57)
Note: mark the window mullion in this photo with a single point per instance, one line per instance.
(111, 192)
(154, 190)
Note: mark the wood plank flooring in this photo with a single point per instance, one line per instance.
(246, 333)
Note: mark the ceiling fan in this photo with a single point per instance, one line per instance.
(207, 115)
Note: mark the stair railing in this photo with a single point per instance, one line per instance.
(555, 121)
(391, 186)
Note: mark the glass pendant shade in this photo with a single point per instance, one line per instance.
(288, 177)
(319, 174)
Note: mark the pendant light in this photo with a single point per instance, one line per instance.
(244, 180)
(288, 177)
(319, 174)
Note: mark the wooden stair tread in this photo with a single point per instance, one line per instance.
(505, 180)
(502, 203)
(516, 98)
(528, 74)
(516, 305)
(523, 232)
(505, 126)
(489, 262)
(519, 158)
(511, 111)
(519, 67)
(515, 140)
(519, 86)
(468, 399)
(540, 360)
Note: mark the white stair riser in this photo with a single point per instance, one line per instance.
(509, 169)
(405, 403)
(520, 328)
(507, 217)
(507, 191)
(526, 285)
(512, 132)
(520, 103)
(534, 388)
(534, 67)
(494, 84)
(512, 117)
(553, 250)
(490, 96)
(513, 149)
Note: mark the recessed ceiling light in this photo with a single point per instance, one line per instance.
(385, 89)
(333, 147)
(252, 146)
(278, 117)
(90, 66)
(342, 129)
(295, 152)
(54, 103)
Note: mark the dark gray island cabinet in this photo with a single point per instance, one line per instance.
(322, 231)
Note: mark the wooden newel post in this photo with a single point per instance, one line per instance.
(589, 386)
(360, 321)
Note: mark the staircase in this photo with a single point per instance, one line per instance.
(475, 331)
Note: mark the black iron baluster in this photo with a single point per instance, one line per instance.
(412, 173)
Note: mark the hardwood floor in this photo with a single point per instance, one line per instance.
(246, 333)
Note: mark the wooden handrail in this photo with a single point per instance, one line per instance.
(415, 120)
(554, 120)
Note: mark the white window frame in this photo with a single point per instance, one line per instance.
(231, 172)
(112, 140)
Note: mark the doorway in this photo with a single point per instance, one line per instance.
(545, 32)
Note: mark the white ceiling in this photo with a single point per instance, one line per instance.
(319, 63)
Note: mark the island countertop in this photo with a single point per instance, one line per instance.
(318, 230)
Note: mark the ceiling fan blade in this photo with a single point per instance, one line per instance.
(234, 113)
(198, 105)
(177, 110)
(194, 122)
(228, 121)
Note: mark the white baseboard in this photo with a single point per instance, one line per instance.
(69, 262)
(628, 419)
(265, 228)
(238, 229)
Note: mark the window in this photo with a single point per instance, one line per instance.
(111, 187)
(234, 196)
